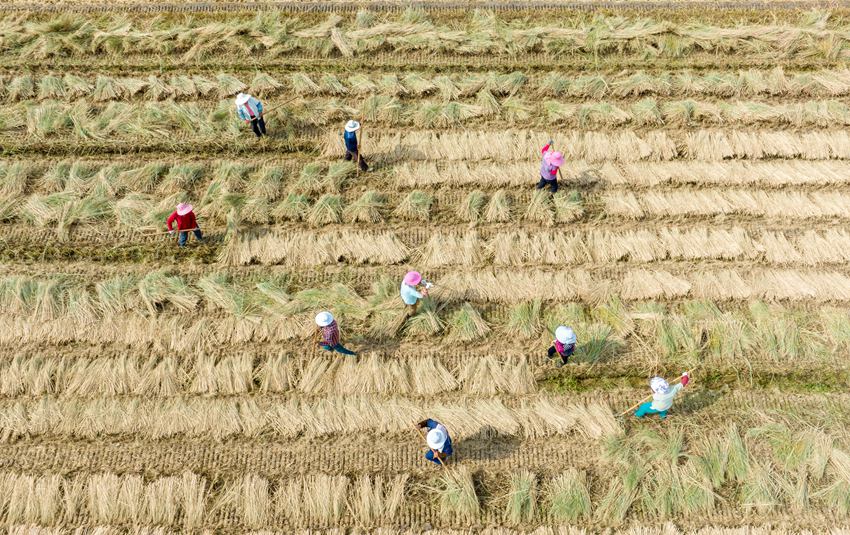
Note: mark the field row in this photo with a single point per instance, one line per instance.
(259, 416)
(402, 453)
(50, 312)
(442, 248)
(269, 180)
(668, 528)
(202, 121)
(619, 146)
(487, 175)
(204, 374)
(478, 145)
(715, 472)
(147, 213)
(450, 86)
(270, 35)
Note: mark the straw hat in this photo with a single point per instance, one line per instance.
(323, 319)
(352, 126)
(565, 335)
(242, 98)
(554, 158)
(436, 439)
(659, 385)
(412, 278)
(184, 208)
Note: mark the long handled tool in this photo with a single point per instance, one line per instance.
(649, 397)
(276, 106)
(282, 104)
(360, 147)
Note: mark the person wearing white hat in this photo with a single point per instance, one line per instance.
(662, 396)
(328, 334)
(564, 344)
(185, 218)
(438, 440)
(352, 147)
(250, 110)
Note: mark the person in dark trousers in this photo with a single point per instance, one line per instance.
(564, 344)
(439, 441)
(250, 110)
(352, 148)
(328, 334)
(552, 161)
(185, 218)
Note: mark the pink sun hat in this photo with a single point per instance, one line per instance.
(184, 208)
(554, 158)
(412, 278)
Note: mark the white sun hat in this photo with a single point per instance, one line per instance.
(565, 335)
(323, 319)
(242, 98)
(436, 438)
(183, 208)
(659, 385)
(352, 126)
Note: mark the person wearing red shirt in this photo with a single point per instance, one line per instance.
(185, 218)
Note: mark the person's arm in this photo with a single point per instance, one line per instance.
(259, 108)
(170, 221)
(546, 147)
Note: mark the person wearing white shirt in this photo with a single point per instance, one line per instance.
(662, 397)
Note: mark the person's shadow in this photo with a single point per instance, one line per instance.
(698, 400)
(488, 444)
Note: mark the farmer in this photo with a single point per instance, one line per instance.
(552, 161)
(327, 335)
(662, 397)
(564, 344)
(250, 110)
(439, 442)
(409, 293)
(186, 221)
(352, 149)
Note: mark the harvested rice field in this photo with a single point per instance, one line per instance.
(701, 223)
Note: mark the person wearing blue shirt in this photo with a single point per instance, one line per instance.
(352, 149)
(439, 442)
(250, 110)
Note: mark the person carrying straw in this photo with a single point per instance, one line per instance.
(549, 167)
(352, 146)
(250, 110)
(438, 440)
(185, 218)
(662, 396)
(328, 334)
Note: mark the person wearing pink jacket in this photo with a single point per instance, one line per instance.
(552, 161)
(564, 344)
